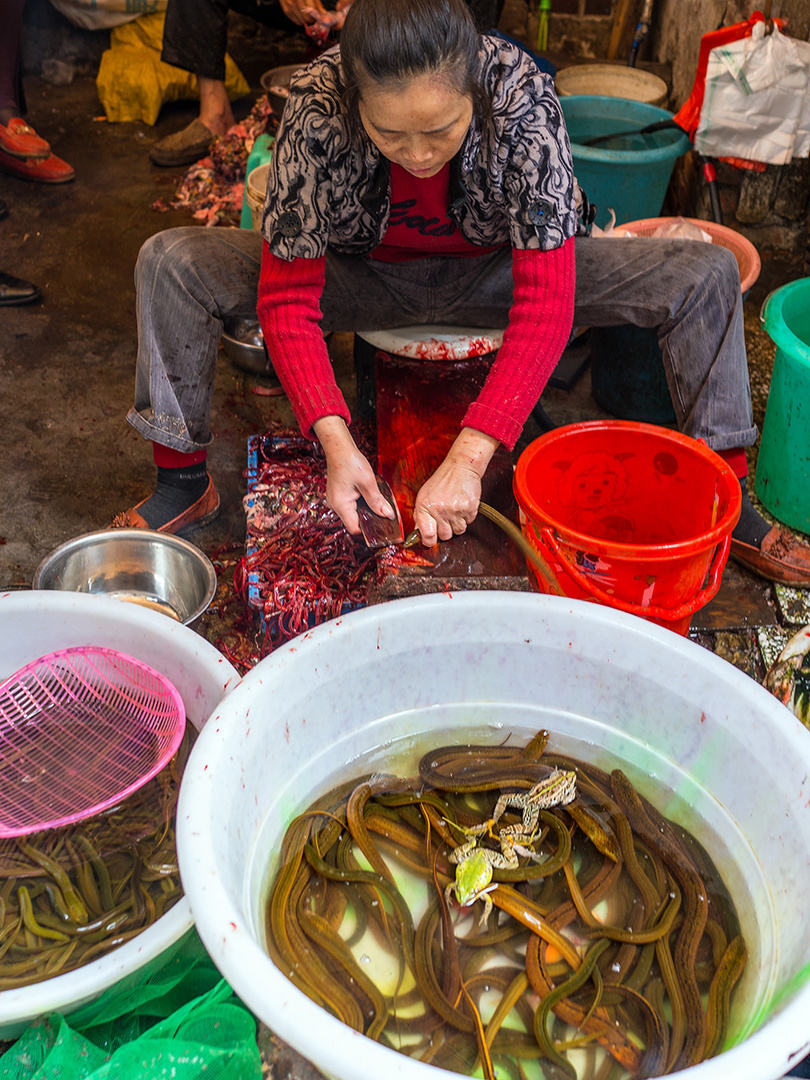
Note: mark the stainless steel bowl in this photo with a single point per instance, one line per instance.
(148, 568)
(278, 77)
(243, 342)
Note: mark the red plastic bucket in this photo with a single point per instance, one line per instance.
(629, 515)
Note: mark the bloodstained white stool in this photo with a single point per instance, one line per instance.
(416, 343)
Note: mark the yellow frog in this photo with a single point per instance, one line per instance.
(475, 865)
(557, 789)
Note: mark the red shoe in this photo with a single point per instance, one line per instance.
(50, 170)
(20, 140)
(200, 513)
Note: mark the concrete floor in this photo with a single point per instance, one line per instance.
(71, 461)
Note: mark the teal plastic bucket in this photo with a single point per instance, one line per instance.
(782, 480)
(631, 177)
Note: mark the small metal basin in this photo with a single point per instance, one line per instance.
(243, 343)
(278, 79)
(152, 569)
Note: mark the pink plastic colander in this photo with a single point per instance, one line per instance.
(80, 729)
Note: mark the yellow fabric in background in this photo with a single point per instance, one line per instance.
(133, 83)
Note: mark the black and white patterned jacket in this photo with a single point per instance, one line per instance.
(511, 181)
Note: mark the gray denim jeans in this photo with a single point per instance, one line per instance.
(189, 279)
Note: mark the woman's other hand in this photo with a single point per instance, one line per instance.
(348, 474)
(298, 11)
(448, 502)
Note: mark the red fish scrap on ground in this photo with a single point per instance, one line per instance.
(213, 188)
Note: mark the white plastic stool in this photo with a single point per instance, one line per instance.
(433, 342)
(416, 343)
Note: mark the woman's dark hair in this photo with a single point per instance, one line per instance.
(390, 42)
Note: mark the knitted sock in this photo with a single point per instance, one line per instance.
(752, 526)
(181, 480)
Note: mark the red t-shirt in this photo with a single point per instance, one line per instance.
(419, 220)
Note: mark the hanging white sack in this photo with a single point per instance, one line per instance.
(756, 100)
(105, 14)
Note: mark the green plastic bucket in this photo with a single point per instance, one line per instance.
(261, 154)
(783, 466)
(630, 174)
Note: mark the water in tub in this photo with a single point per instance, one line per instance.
(74, 893)
(739, 895)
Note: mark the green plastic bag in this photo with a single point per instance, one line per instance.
(175, 1018)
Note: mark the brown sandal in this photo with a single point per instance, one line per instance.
(781, 557)
(183, 147)
(200, 513)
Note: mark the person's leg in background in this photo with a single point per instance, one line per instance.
(691, 293)
(203, 52)
(187, 281)
(16, 137)
(23, 152)
(195, 38)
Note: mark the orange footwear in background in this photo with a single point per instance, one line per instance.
(49, 170)
(20, 140)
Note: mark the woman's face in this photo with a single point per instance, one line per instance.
(420, 126)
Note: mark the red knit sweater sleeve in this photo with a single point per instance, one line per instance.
(540, 322)
(290, 313)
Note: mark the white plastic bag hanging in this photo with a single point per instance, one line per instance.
(105, 14)
(756, 101)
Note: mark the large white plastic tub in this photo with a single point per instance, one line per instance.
(437, 669)
(35, 623)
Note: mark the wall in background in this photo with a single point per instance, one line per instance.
(772, 207)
